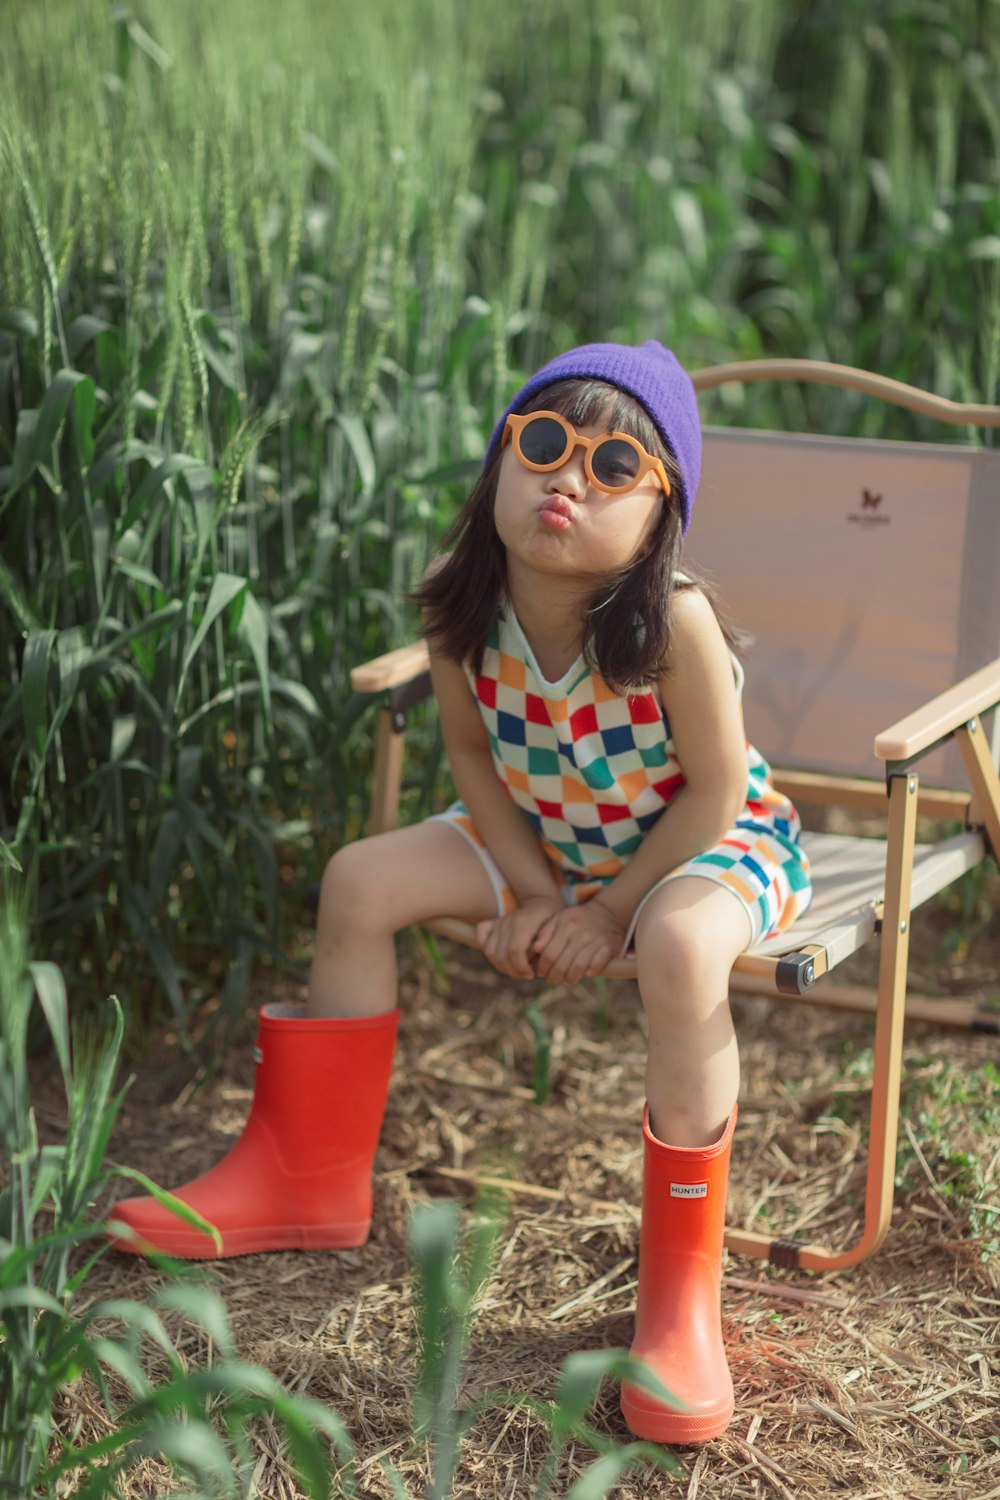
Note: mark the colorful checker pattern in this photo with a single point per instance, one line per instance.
(592, 771)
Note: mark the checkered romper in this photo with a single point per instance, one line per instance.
(593, 770)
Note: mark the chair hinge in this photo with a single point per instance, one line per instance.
(897, 768)
(795, 973)
(784, 1254)
(406, 696)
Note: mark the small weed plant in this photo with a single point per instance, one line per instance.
(452, 1271)
(942, 1099)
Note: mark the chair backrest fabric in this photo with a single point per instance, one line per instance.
(867, 574)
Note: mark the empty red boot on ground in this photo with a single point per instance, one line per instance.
(299, 1177)
(678, 1320)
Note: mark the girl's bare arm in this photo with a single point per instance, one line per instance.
(706, 725)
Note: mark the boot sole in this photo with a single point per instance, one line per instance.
(188, 1246)
(659, 1424)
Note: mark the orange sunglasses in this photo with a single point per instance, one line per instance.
(613, 463)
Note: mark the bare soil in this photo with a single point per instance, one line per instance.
(879, 1382)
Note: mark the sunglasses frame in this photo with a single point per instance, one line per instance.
(647, 463)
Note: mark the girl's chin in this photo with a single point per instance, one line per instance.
(550, 551)
(556, 553)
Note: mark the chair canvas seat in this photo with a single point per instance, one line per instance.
(849, 885)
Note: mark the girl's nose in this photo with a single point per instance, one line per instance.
(570, 478)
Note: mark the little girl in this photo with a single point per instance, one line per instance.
(590, 706)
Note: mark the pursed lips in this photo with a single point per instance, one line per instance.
(557, 512)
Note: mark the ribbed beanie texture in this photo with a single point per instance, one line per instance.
(650, 373)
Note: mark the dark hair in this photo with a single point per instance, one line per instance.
(626, 634)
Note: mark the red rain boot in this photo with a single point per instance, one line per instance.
(678, 1320)
(299, 1177)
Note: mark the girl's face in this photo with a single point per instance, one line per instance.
(557, 523)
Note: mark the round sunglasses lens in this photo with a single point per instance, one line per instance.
(615, 463)
(543, 441)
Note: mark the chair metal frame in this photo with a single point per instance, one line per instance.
(403, 676)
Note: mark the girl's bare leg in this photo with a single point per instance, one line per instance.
(373, 888)
(688, 937)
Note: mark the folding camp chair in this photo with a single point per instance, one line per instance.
(867, 574)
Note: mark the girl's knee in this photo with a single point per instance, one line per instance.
(683, 963)
(692, 925)
(349, 892)
(672, 948)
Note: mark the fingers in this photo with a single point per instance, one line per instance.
(544, 934)
(577, 944)
(574, 962)
(563, 946)
(505, 942)
(573, 955)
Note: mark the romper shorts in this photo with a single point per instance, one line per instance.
(766, 872)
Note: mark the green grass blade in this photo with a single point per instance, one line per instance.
(167, 1200)
(203, 1307)
(195, 471)
(50, 988)
(35, 689)
(226, 589)
(46, 429)
(253, 630)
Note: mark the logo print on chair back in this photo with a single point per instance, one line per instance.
(868, 515)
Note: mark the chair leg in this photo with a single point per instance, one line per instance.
(890, 1015)
(974, 747)
(889, 1020)
(388, 773)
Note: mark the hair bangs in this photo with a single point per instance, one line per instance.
(587, 403)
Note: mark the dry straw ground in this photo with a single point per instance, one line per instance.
(882, 1382)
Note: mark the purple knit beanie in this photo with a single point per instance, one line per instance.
(651, 374)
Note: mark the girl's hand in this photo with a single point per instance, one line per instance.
(578, 942)
(508, 941)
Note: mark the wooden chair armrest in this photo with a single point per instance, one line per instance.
(968, 699)
(391, 670)
(819, 372)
